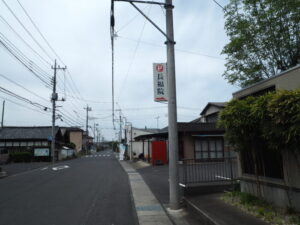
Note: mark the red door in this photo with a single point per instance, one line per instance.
(159, 152)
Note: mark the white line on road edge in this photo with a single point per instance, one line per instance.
(226, 178)
(60, 167)
(44, 168)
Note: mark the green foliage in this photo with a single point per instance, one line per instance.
(20, 157)
(71, 145)
(264, 39)
(272, 119)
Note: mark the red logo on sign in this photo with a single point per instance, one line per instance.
(159, 68)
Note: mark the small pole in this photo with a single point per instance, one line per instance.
(3, 108)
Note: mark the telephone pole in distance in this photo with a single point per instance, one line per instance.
(54, 98)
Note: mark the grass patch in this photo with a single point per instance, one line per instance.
(261, 209)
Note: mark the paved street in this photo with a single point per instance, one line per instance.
(87, 191)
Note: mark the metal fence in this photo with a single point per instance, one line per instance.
(193, 171)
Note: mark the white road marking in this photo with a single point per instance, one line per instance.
(44, 168)
(225, 178)
(60, 167)
(182, 185)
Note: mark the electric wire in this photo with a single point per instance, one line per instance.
(39, 31)
(24, 106)
(176, 49)
(36, 27)
(134, 55)
(27, 31)
(21, 86)
(22, 39)
(12, 94)
(42, 73)
(50, 47)
(27, 63)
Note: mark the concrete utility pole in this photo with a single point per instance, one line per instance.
(54, 98)
(172, 105)
(172, 110)
(3, 108)
(87, 127)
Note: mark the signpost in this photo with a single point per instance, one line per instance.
(160, 81)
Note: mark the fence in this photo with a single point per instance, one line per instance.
(193, 171)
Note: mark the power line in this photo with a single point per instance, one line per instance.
(27, 63)
(176, 49)
(16, 103)
(27, 31)
(50, 47)
(36, 27)
(12, 94)
(134, 54)
(22, 39)
(130, 21)
(219, 5)
(21, 86)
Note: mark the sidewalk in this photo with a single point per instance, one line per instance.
(206, 209)
(148, 209)
(156, 178)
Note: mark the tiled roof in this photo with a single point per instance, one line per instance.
(23, 133)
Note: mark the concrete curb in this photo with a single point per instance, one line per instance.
(149, 210)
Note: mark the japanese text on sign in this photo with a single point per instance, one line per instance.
(160, 82)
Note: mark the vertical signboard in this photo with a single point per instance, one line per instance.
(160, 82)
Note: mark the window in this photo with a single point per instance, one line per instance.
(23, 143)
(269, 163)
(209, 148)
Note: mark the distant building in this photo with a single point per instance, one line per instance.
(73, 135)
(138, 147)
(36, 140)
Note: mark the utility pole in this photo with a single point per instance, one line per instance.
(87, 127)
(172, 105)
(3, 108)
(54, 98)
(120, 118)
(172, 109)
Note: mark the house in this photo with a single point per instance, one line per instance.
(138, 147)
(87, 142)
(279, 172)
(36, 140)
(210, 112)
(73, 135)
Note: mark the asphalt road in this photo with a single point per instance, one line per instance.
(87, 191)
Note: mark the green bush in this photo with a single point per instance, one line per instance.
(20, 157)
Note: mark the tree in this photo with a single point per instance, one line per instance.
(264, 39)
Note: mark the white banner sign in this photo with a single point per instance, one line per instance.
(41, 152)
(160, 82)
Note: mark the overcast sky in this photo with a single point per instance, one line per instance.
(79, 32)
